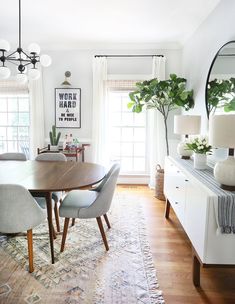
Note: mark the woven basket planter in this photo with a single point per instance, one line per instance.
(159, 184)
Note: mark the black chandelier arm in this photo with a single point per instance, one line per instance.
(8, 56)
(27, 64)
(13, 62)
(28, 56)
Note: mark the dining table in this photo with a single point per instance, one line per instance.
(41, 178)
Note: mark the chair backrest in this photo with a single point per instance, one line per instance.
(51, 157)
(103, 201)
(13, 156)
(18, 209)
(99, 187)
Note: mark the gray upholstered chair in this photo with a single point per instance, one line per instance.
(56, 196)
(84, 204)
(13, 156)
(19, 212)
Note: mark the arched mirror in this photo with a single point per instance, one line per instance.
(220, 85)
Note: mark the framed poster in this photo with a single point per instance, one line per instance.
(68, 107)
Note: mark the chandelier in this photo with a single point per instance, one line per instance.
(25, 62)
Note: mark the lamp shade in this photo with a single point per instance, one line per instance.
(187, 124)
(221, 131)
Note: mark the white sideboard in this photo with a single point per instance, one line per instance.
(195, 206)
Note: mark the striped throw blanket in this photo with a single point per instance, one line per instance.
(226, 199)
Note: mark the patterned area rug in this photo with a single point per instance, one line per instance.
(85, 272)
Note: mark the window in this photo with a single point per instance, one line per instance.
(127, 133)
(14, 123)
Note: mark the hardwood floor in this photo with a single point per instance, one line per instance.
(171, 251)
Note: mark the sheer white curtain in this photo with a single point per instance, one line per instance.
(99, 130)
(36, 115)
(156, 130)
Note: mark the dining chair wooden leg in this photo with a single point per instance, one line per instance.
(57, 220)
(54, 233)
(73, 221)
(107, 221)
(66, 224)
(99, 221)
(30, 249)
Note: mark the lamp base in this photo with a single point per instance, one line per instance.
(185, 157)
(224, 173)
(228, 188)
(181, 150)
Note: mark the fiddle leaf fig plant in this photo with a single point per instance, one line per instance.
(163, 95)
(221, 94)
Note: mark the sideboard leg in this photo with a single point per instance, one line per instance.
(167, 209)
(196, 271)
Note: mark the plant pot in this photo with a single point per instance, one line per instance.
(200, 161)
(54, 148)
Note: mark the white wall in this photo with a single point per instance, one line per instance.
(80, 64)
(200, 50)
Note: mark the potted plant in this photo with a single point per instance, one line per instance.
(200, 147)
(54, 138)
(163, 95)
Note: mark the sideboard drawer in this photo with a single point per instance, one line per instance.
(174, 189)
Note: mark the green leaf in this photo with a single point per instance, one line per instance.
(130, 105)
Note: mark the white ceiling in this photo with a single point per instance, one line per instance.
(71, 24)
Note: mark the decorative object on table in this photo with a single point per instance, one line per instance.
(186, 125)
(222, 135)
(200, 147)
(22, 59)
(68, 107)
(66, 82)
(82, 271)
(159, 183)
(70, 143)
(54, 139)
(164, 95)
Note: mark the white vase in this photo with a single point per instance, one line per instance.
(54, 148)
(199, 161)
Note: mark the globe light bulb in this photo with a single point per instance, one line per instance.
(4, 45)
(45, 60)
(21, 77)
(5, 72)
(33, 74)
(34, 48)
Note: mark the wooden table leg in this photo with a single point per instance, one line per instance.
(196, 271)
(50, 225)
(167, 209)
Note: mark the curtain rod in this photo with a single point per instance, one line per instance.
(129, 55)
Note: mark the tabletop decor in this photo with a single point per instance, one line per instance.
(68, 107)
(186, 125)
(85, 272)
(200, 147)
(222, 135)
(54, 139)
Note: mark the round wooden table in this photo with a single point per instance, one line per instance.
(42, 178)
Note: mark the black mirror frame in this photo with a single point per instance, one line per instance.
(208, 75)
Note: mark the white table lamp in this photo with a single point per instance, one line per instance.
(222, 135)
(186, 125)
